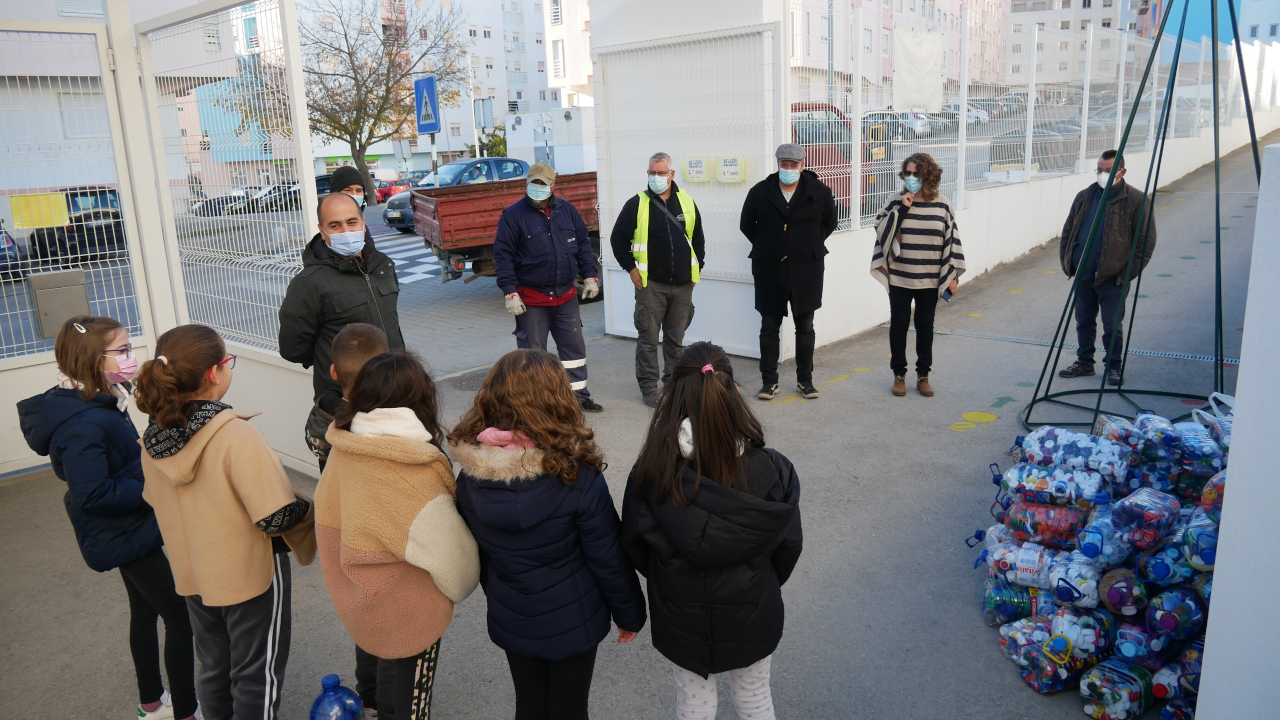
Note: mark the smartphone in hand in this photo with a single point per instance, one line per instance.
(947, 295)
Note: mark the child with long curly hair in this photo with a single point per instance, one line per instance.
(551, 561)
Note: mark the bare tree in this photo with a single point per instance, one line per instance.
(361, 57)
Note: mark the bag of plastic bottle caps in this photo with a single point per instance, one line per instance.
(1051, 667)
(1161, 439)
(1190, 662)
(1118, 429)
(1137, 644)
(1044, 524)
(1026, 564)
(1074, 579)
(1203, 584)
(1164, 683)
(1200, 540)
(1018, 635)
(995, 535)
(1099, 540)
(1175, 614)
(1116, 689)
(1004, 602)
(1122, 593)
(1089, 633)
(1162, 475)
(1145, 516)
(1211, 496)
(1053, 446)
(1179, 709)
(1166, 563)
(1201, 455)
(1053, 486)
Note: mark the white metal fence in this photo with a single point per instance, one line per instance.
(1036, 101)
(60, 193)
(230, 147)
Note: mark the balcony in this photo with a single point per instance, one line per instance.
(517, 78)
(514, 46)
(512, 19)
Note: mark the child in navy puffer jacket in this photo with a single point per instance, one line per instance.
(83, 426)
(552, 564)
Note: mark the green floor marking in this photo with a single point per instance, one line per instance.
(1164, 275)
(1025, 384)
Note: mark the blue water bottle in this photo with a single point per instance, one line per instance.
(336, 702)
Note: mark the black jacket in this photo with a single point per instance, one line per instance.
(788, 242)
(330, 293)
(542, 251)
(1118, 233)
(93, 448)
(551, 559)
(715, 569)
(668, 249)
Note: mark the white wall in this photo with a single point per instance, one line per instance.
(1240, 650)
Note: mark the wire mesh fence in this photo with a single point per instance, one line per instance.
(232, 167)
(60, 206)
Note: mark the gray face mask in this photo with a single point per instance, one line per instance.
(347, 244)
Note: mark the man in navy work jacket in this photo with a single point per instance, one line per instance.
(540, 250)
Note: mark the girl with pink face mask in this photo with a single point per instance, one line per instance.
(82, 424)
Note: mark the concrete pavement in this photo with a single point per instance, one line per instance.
(883, 607)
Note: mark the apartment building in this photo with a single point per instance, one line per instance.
(568, 51)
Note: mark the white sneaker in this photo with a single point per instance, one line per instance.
(164, 712)
(370, 714)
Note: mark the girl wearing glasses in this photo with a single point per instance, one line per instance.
(229, 518)
(918, 259)
(82, 424)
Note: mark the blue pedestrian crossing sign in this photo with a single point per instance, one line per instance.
(424, 97)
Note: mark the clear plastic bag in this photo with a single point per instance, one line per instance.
(1190, 661)
(1025, 564)
(1123, 593)
(1165, 684)
(1161, 439)
(1051, 446)
(1166, 563)
(1116, 690)
(1053, 486)
(1051, 525)
(1145, 516)
(1179, 709)
(1017, 636)
(1203, 585)
(1175, 614)
(1074, 580)
(1089, 633)
(1120, 430)
(1211, 496)
(1162, 475)
(1099, 540)
(1202, 456)
(1004, 602)
(1200, 540)
(1137, 644)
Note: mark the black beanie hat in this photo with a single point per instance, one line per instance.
(344, 177)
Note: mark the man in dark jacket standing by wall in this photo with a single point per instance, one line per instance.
(1102, 273)
(344, 279)
(540, 250)
(788, 217)
(658, 240)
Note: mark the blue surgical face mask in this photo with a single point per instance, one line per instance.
(347, 244)
(789, 177)
(536, 192)
(659, 184)
(913, 184)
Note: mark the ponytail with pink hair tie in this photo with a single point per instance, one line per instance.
(708, 369)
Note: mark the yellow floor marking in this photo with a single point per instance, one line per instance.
(1050, 272)
(963, 424)
(862, 369)
(784, 400)
(1015, 291)
(958, 428)
(975, 314)
(981, 417)
(1164, 207)
(838, 378)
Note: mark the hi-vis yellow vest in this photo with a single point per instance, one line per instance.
(640, 242)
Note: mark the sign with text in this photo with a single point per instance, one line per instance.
(695, 170)
(729, 169)
(424, 97)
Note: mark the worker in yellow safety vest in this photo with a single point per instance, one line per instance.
(658, 240)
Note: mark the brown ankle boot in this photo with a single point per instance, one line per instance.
(922, 384)
(899, 385)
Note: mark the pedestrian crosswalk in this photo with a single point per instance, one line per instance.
(413, 260)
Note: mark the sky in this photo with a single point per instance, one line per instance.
(1198, 19)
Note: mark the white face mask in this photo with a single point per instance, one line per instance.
(1102, 179)
(347, 244)
(659, 184)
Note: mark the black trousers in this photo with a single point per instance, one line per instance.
(413, 680)
(926, 302)
(770, 341)
(243, 650)
(1091, 299)
(547, 690)
(564, 324)
(375, 680)
(149, 583)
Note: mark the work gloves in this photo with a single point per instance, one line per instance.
(590, 288)
(515, 305)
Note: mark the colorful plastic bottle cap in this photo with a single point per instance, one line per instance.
(1090, 549)
(1160, 690)
(1160, 569)
(330, 680)
(1168, 621)
(1208, 555)
(1129, 649)
(1116, 595)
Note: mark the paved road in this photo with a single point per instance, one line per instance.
(882, 618)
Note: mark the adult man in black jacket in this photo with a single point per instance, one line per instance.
(1103, 273)
(660, 244)
(344, 279)
(788, 217)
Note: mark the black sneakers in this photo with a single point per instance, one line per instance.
(589, 405)
(807, 391)
(768, 392)
(1113, 377)
(1077, 369)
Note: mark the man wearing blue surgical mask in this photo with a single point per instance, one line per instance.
(540, 251)
(788, 217)
(658, 240)
(344, 279)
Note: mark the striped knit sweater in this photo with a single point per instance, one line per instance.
(917, 247)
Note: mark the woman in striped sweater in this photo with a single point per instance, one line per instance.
(917, 258)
